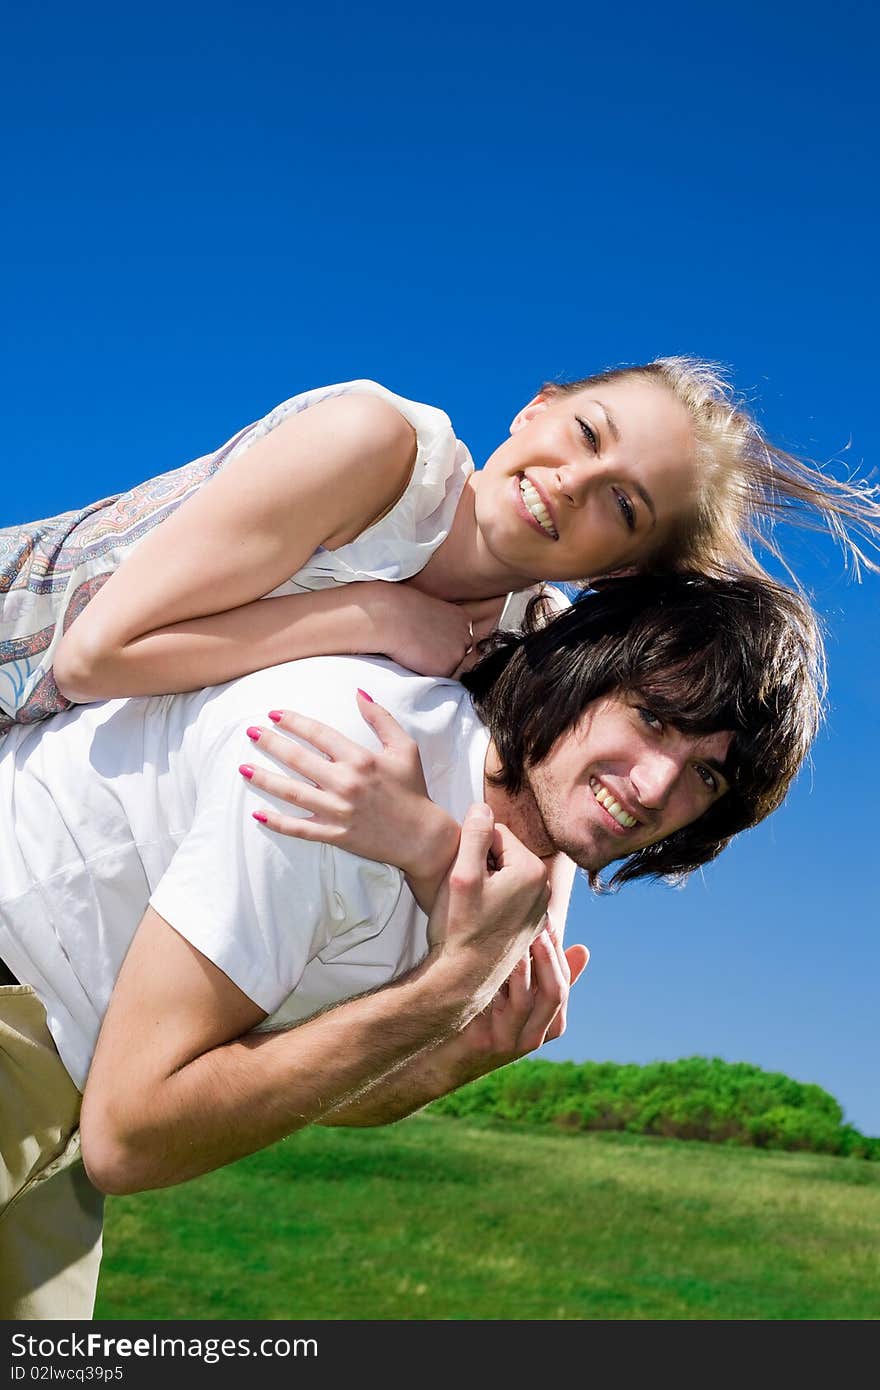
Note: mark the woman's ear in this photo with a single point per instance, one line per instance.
(535, 406)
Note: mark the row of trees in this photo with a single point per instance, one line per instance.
(694, 1098)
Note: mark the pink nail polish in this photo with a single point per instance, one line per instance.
(275, 715)
(366, 696)
(260, 816)
(246, 771)
(253, 733)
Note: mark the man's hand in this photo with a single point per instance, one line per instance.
(491, 906)
(528, 1010)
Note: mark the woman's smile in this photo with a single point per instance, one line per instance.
(534, 506)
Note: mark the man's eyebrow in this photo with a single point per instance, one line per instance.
(637, 487)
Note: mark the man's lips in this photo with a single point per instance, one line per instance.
(617, 814)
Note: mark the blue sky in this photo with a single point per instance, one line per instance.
(210, 208)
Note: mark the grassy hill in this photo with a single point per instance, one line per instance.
(439, 1218)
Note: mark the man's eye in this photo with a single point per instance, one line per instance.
(589, 434)
(707, 777)
(648, 717)
(627, 509)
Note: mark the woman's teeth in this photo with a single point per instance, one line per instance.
(532, 499)
(611, 806)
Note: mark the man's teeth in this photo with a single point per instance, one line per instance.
(532, 499)
(613, 807)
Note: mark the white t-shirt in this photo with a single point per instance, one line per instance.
(111, 806)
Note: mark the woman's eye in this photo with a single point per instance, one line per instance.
(707, 777)
(648, 717)
(589, 434)
(627, 509)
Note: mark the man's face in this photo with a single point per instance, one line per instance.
(621, 779)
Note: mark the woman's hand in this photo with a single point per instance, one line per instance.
(426, 634)
(374, 804)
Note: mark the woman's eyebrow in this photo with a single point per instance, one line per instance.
(648, 501)
(612, 424)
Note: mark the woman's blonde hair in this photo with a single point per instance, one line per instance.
(746, 483)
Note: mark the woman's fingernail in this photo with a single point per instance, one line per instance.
(275, 715)
(253, 733)
(246, 771)
(366, 696)
(260, 816)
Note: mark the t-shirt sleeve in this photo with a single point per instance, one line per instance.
(261, 905)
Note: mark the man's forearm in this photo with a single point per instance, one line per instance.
(253, 1091)
(434, 1073)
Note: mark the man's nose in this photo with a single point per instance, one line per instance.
(653, 778)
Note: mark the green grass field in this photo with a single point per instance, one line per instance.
(436, 1218)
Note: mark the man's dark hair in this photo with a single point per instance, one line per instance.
(704, 654)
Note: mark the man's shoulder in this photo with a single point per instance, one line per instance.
(325, 688)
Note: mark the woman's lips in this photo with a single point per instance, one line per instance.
(524, 511)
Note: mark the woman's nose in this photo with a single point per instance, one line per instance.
(573, 483)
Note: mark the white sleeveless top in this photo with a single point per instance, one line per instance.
(50, 569)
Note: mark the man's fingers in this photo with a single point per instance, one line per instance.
(477, 837)
(519, 985)
(507, 850)
(578, 958)
(550, 992)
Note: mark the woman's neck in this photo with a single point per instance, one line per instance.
(462, 567)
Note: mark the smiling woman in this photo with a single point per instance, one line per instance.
(288, 540)
(740, 483)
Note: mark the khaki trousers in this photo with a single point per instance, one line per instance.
(51, 1216)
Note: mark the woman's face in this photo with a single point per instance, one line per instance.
(587, 483)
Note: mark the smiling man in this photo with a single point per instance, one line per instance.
(648, 723)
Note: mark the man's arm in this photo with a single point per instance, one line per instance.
(528, 1010)
(176, 1090)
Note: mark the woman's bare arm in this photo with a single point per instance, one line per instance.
(185, 609)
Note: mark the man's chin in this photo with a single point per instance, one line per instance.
(589, 857)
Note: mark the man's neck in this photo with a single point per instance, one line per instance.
(517, 810)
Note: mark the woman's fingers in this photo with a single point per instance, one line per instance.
(384, 725)
(293, 790)
(310, 828)
(330, 742)
(292, 755)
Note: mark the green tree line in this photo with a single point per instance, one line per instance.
(693, 1098)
